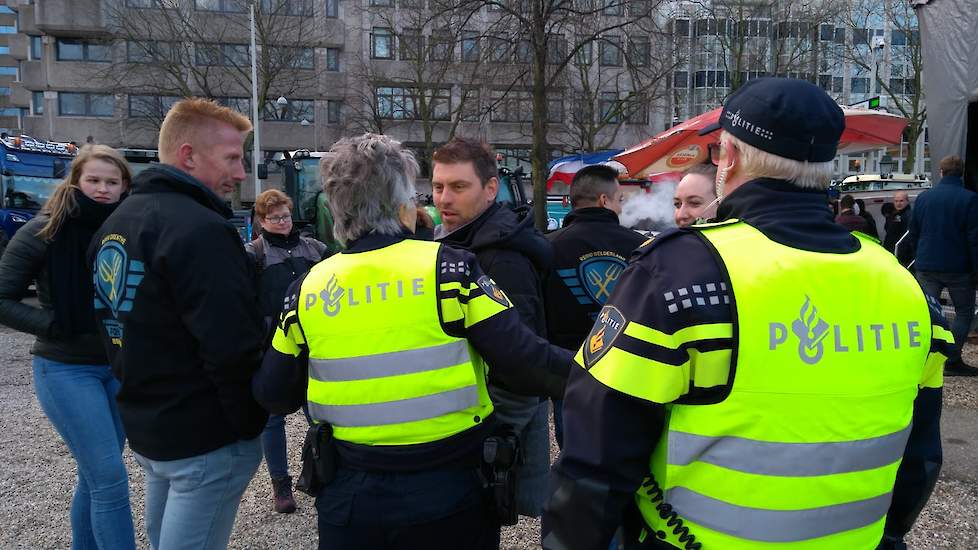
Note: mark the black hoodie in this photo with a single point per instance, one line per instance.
(177, 312)
(513, 253)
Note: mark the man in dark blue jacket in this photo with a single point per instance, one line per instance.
(590, 252)
(944, 231)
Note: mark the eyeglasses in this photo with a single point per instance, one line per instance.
(279, 219)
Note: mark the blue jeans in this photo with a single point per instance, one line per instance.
(961, 289)
(274, 448)
(191, 502)
(79, 400)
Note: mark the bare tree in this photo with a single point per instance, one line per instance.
(548, 28)
(437, 82)
(603, 100)
(175, 48)
(886, 38)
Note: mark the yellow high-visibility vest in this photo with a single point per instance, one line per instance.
(830, 350)
(382, 370)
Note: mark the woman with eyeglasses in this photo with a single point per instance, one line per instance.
(281, 256)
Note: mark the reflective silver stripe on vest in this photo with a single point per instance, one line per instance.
(397, 412)
(787, 459)
(776, 525)
(395, 363)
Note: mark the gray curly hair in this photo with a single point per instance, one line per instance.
(367, 179)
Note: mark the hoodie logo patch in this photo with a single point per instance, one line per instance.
(595, 278)
(115, 277)
(493, 291)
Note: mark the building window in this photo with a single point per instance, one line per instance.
(80, 50)
(4, 90)
(471, 108)
(442, 47)
(395, 102)
(333, 109)
(498, 50)
(222, 55)
(382, 43)
(296, 58)
(411, 43)
(9, 71)
(639, 51)
(680, 79)
(556, 49)
(524, 51)
(227, 6)
(680, 27)
(584, 54)
(149, 52)
(612, 7)
(637, 110)
(86, 104)
(610, 107)
(8, 29)
(332, 8)
(555, 107)
(470, 46)
(382, 3)
(150, 106)
(287, 7)
(37, 48)
(610, 51)
(417, 4)
(239, 104)
(860, 85)
(37, 103)
(167, 4)
(295, 110)
(333, 59)
(512, 106)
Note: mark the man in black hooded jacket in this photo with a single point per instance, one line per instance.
(515, 255)
(176, 309)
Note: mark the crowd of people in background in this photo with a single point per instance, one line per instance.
(196, 348)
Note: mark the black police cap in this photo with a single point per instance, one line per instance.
(786, 117)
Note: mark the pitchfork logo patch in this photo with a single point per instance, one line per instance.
(595, 279)
(116, 277)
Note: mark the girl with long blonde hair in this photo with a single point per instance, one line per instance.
(72, 378)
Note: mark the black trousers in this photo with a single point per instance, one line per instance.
(430, 510)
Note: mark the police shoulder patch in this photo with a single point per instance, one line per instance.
(607, 327)
(493, 291)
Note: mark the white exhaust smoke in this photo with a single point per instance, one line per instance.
(651, 211)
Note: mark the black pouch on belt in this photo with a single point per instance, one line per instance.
(319, 461)
(500, 456)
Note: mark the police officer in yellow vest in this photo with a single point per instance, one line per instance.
(390, 343)
(766, 381)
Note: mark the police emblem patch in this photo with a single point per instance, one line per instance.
(493, 291)
(606, 329)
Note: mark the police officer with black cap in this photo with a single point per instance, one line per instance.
(732, 394)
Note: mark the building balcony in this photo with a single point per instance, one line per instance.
(77, 17)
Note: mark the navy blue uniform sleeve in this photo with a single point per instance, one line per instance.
(923, 457)
(473, 306)
(280, 384)
(609, 435)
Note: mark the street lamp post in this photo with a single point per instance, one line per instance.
(256, 143)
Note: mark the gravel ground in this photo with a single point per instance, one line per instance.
(38, 478)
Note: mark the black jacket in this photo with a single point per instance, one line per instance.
(590, 252)
(180, 321)
(895, 227)
(25, 261)
(609, 436)
(513, 253)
